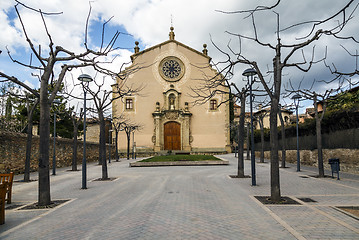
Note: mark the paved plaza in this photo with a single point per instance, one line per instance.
(189, 202)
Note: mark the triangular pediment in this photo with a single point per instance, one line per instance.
(165, 43)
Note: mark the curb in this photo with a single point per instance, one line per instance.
(178, 163)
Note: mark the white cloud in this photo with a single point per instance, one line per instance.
(194, 21)
(9, 36)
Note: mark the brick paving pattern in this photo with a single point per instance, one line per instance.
(200, 202)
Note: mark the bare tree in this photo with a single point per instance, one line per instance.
(284, 54)
(261, 114)
(31, 105)
(283, 137)
(102, 101)
(28, 104)
(128, 128)
(323, 98)
(220, 85)
(242, 95)
(76, 120)
(117, 123)
(57, 57)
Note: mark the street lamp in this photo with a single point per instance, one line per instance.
(56, 101)
(247, 158)
(109, 144)
(85, 79)
(296, 99)
(250, 72)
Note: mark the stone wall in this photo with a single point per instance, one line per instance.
(349, 158)
(13, 149)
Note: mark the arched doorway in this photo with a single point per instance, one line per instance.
(172, 136)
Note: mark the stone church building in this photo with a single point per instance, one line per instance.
(165, 109)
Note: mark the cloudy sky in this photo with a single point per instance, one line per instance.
(195, 21)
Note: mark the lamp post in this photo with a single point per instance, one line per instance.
(248, 141)
(56, 101)
(85, 80)
(109, 144)
(250, 72)
(296, 99)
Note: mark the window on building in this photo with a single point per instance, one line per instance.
(129, 104)
(213, 104)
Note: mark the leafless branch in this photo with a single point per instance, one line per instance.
(333, 31)
(252, 11)
(35, 10)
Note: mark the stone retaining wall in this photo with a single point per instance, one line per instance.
(349, 158)
(13, 149)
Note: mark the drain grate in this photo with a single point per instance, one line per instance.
(304, 176)
(307, 200)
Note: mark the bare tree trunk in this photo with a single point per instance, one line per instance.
(28, 149)
(128, 134)
(44, 175)
(275, 184)
(283, 139)
(116, 148)
(275, 180)
(320, 147)
(100, 150)
(284, 148)
(74, 148)
(103, 146)
(241, 136)
(318, 126)
(262, 140)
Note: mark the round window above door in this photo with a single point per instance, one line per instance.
(171, 69)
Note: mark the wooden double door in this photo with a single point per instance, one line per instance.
(172, 136)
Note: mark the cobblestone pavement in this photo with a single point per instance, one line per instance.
(199, 202)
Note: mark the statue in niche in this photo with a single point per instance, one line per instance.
(172, 100)
(157, 106)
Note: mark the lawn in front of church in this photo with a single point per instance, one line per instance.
(175, 158)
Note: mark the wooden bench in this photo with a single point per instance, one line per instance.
(3, 191)
(8, 178)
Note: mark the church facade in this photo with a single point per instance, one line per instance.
(164, 107)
